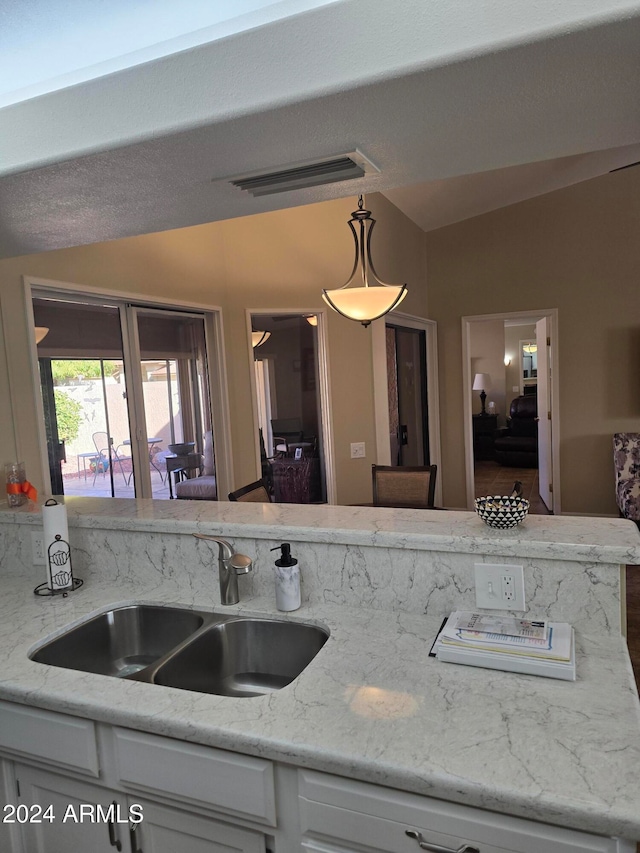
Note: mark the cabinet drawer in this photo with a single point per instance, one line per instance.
(377, 818)
(204, 776)
(48, 736)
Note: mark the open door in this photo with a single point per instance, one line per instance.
(545, 467)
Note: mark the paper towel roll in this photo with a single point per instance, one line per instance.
(56, 546)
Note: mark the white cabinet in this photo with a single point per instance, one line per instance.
(79, 783)
(199, 776)
(74, 815)
(8, 798)
(167, 830)
(61, 829)
(339, 815)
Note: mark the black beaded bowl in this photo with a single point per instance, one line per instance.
(501, 511)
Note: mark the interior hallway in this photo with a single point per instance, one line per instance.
(492, 478)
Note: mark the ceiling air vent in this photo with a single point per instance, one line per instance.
(328, 171)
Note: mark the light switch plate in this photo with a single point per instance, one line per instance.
(357, 450)
(499, 587)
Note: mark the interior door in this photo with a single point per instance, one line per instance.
(545, 469)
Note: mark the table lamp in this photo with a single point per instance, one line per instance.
(481, 382)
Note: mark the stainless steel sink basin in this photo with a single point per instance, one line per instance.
(245, 657)
(121, 641)
(188, 649)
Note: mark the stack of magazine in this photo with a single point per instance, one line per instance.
(507, 643)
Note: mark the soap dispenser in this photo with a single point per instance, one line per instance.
(287, 579)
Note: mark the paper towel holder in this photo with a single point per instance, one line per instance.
(59, 561)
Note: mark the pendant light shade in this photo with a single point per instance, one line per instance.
(369, 298)
(259, 338)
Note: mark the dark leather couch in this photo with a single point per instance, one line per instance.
(517, 444)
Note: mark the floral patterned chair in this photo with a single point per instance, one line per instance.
(626, 457)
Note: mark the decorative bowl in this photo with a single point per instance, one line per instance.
(182, 449)
(501, 511)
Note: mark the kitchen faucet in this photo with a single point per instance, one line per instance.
(230, 565)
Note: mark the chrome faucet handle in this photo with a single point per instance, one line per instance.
(230, 565)
(240, 563)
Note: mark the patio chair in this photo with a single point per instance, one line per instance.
(106, 454)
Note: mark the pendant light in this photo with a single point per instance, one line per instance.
(259, 338)
(373, 298)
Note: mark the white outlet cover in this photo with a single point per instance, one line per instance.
(357, 450)
(37, 548)
(489, 587)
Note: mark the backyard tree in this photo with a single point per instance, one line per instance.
(68, 413)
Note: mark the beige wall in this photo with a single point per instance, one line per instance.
(577, 250)
(272, 261)
(486, 353)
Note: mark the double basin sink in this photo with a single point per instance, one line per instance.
(188, 649)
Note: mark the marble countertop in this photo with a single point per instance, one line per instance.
(594, 540)
(373, 706)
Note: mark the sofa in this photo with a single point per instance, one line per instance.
(516, 445)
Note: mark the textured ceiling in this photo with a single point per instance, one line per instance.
(430, 92)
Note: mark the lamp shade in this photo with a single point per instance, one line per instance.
(41, 333)
(481, 382)
(365, 304)
(258, 338)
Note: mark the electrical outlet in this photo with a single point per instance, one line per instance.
(499, 587)
(37, 548)
(357, 450)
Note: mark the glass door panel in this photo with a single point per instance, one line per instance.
(174, 391)
(84, 396)
(107, 437)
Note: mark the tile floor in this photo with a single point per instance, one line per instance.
(494, 479)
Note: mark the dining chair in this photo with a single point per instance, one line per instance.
(253, 493)
(404, 486)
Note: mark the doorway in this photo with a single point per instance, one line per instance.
(408, 395)
(511, 420)
(290, 396)
(121, 384)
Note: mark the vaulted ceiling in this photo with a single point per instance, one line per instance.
(463, 107)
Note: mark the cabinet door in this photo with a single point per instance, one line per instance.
(9, 832)
(168, 830)
(68, 825)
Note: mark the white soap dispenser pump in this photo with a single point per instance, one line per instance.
(287, 579)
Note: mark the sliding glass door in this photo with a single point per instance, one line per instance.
(170, 392)
(120, 384)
